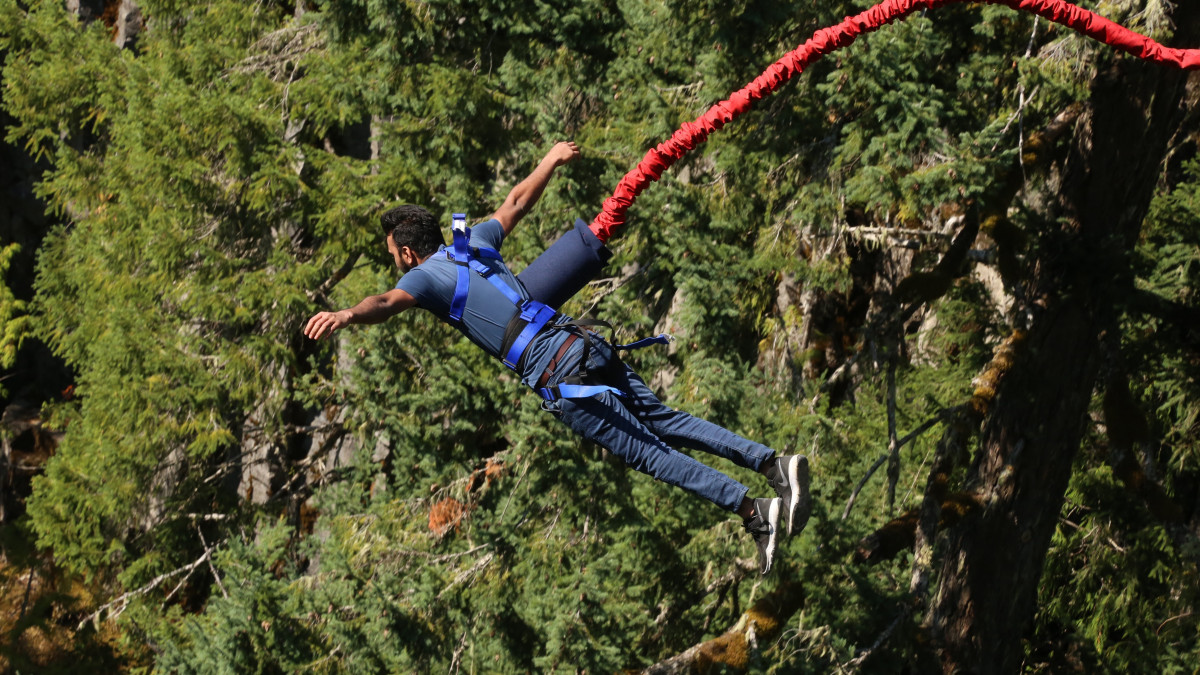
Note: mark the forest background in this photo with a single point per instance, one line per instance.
(956, 264)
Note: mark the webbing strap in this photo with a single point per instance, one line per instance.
(576, 391)
(660, 339)
(459, 302)
(461, 255)
(538, 314)
(534, 313)
(489, 274)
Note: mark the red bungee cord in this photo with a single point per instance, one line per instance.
(833, 38)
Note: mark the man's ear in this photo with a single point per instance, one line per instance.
(409, 256)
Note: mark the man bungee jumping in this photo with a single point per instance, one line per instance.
(575, 371)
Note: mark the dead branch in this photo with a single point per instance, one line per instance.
(908, 438)
(124, 599)
(276, 50)
(609, 285)
(322, 292)
(468, 573)
(397, 553)
(212, 568)
(865, 654)
(721, 585)
(893, 454)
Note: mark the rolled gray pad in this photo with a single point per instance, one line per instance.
(566, 267)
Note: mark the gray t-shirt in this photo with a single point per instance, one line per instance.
(487, 311)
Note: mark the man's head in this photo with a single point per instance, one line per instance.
(412, 235)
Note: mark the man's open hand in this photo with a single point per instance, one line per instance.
(325, 323)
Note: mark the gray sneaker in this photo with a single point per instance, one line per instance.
(790, 479)
(764, 527)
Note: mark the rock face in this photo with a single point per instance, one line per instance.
(88, 10)
(129, 24)
(25, 445)
(124, 17)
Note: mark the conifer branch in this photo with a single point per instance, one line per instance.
(668, 612)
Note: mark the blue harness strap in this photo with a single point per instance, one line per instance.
(534, 314)
(576, 391)
(537, 315)
(462, 256)
(660, 339)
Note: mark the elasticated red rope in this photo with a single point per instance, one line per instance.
(826, 40)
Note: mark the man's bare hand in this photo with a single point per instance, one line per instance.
(325, 323)
(563, 152)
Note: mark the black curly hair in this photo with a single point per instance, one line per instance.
(414, 227)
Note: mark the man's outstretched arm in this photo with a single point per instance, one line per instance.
(372, 309)
(526, 193)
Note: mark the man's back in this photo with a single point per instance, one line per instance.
(487, 312)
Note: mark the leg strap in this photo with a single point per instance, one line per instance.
(565, 390)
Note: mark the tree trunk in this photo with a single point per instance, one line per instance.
(992, 563)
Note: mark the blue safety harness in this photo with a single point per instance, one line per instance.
(532, 317)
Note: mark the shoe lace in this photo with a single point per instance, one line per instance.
(756, 527)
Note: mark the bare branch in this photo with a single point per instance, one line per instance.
(911, 436)
(280, 49)
(610, 285)
(865, 654)
(396, 553)
(721, 585)
(124, 599)
(212, 568)
(341, 273)
(468, 573)
(893, 472)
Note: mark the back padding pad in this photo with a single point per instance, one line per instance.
(566, 267)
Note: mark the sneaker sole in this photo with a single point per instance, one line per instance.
(799, 506)
(773, 540)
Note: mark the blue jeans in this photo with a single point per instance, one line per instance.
(643, 432)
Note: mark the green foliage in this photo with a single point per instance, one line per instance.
(1126, 580)
(1168, 268)
(12, 314)
(1127, 586)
